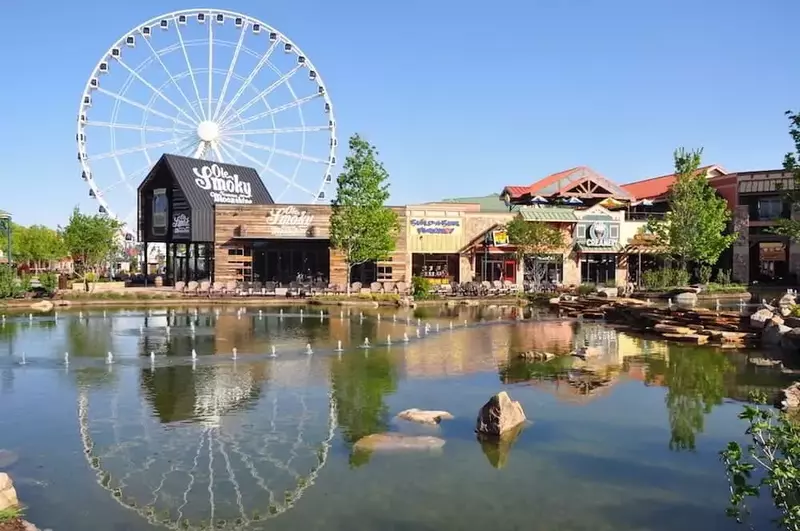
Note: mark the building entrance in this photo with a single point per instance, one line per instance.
(285, 261)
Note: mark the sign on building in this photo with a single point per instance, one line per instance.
(223, 186)
(289, 221)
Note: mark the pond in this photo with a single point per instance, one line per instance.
(154, 437)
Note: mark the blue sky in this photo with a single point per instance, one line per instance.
(460, 98)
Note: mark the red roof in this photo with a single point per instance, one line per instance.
(655, 187)
(533, 189)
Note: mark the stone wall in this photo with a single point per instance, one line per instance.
(741, 247)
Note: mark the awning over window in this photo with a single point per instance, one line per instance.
(548, 214)
(583, 248)
(643, 248)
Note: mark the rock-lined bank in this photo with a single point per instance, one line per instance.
(697, 326)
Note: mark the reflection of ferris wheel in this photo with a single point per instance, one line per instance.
(247, 452)
(211, 84)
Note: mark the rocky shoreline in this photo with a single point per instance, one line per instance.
(699, 326)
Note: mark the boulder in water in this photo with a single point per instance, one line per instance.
(424, 416)
(397, 442)
(8, 495)
(499, 415)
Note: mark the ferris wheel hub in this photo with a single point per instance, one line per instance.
(208, 131)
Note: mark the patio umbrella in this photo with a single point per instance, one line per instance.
(574, 201)
(610, 202)
(539, 200)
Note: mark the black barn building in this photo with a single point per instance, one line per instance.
(176, 207)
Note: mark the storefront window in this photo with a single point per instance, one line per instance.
(498, 266)
(437, 268)
(541, 270)
(599, 268)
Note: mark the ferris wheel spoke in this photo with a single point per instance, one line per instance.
(136, 149)
(143, 107)
(230, 69)
(249, 79)
(272, 171)
(227, 153)
(210, 63)
(188, 64)
(156, 91)
(215, 149)
(279, 130)
(172, 79)
(280, 81)
(149, 128)
(279, 151)
(276, 110)
(138, 172)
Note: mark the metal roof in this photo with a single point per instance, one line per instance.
(204, 183)
(766, 186)
(548, 214)
(487, 203)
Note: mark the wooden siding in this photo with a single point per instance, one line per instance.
(234, 223)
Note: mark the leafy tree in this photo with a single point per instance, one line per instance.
(363, 229)
(534, 239)
(39, 246)
(791, 163)
(694, 228)
(774, 446)
(91, 240)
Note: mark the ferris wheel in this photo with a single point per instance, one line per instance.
(211, 84)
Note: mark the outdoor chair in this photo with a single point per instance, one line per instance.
(180, 287)
(499, 288)
(294, 290)
(191, 287)
(269, 288)
(204, 288)
(355, 287)
(375, 287)
(444, 290)
(455, 289)
(402, 288)
(511, 287)
(230, 287)
(256, 288)
(487, 288)
(389, 287)
(218, 288)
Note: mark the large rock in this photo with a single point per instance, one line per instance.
(790, 341)
(499, 415)
(424, 416)
(688, 299)
(42, 306)
(790, 397)
(788, 300)
(8, 495)
(393, 442)
(608, 293)
(773, 333)
(760, 318)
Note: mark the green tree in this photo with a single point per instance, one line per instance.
(40, 246)
(532, 240)
(363, 229)
(694, 228)
(791, 163)
(91, 240)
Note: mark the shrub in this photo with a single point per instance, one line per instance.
(680, 277)
(704, 274)
(724, 277)
(659, 279)
(10, 286)
(49, 281)
(586, 289)
(421, 288)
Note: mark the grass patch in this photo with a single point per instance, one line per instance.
(713, 287)
(11, 513)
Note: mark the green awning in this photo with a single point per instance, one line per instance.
(583, 248)
(548, 214)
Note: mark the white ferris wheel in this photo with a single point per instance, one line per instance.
(211, 84)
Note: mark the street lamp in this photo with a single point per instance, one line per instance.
(5, 225)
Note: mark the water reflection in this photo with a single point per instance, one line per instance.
(228, 443)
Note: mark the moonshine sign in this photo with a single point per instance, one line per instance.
(289, 221)
(599, 236)
(181, 226)
(223, 186)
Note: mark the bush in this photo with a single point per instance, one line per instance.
(724, 277)
(660, 279)
(421, 288)
(49, 281)
(704, 274)
(586, 289)
(10, 286)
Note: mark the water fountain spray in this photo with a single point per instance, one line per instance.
(308, 349)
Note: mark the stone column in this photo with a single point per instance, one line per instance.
(741, 247)
(572, 272)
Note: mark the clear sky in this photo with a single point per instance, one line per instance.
(460, 97)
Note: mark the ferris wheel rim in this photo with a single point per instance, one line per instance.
(172, 17)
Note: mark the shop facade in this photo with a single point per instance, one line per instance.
(176, 203)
